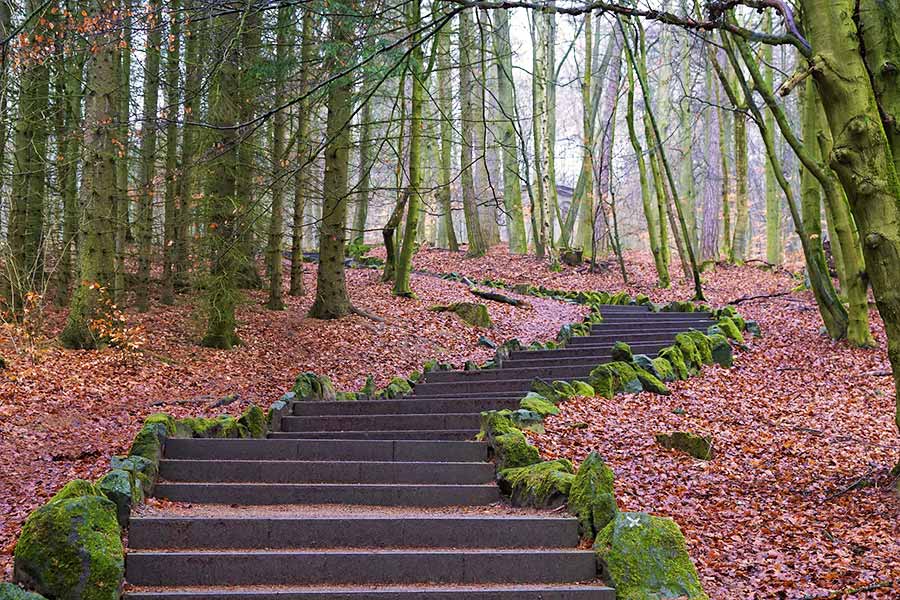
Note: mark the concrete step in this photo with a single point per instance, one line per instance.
(267, 532)
(648, 322)
(388, 434)
(382, 422)
(589, 352)
(564, 371)
(288, 449)
(364, 566)
(586, 361)
(609, 315)
(319, 493)
(285, 471)
(413, 592)
(424, 390)
(634, 328)
(632, 339)
(404, 406)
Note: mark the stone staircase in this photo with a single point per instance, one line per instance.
(383, 499)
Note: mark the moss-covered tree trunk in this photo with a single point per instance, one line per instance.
(862, 154)
(487, 182)
(477, 245)
(98, 192)
(332, 300)
(447, 234)
(774, 246)
(361, 214)
(509, 142)
(123, 197)
(303, 164)
(147, 184)
(171, 217)
(740, 242)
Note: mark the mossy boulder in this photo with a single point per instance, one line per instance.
(721, 351)
(167, 421)
(538, 404)
(473, 313)
(76, 489)
(583, 389)
(224, 426)
(610, 378)
(545, 389)
(124, 489)
(645, 558)
(698, 446)
(10, 591)
(148, 444)
(703, 345)
(71, 549)
(564, 390)
(622, 351)
(753, 328)
(692, 357)
(309, 386)
(674, 356)
(542, 485)
(643, 361)
(730, 329)
(143, 470)
(663, 369)
(650, 382)
(592, 498)
(397, 388)
(510, 446)
(254, 422)
(277, 410)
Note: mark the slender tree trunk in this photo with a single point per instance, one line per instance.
(279, 173)
(173, 75)
(509, 143)
(301, 172)
(69, 146)
(686, 170)
(712, 194)
(477, 245)
(445, 107)
(332, 300)
(123, 198)
(148, 157)
(98, 191)
(741, 241)
(486, 190)
(365, 170)
(774, 247)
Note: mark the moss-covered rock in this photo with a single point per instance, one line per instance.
(167, 421)
(674, 356)
(692, 357)
(564, 390)
(397, 388)
(538, 404)
(592, 498)
(583, 389)
(610, 378)
(510, 446)
(730, 329)
(753, 328)
(545, 389)
(10, 591)
(721, 351)
(622, 351)
(473, 313)
(148, 442)
(254, 422)
(277, 411)
(698, 446)
(703, 345)
(309, 386)
(542, 485)
(645, 558)
(142, 470)
(663, 370)
(651, 382)
(224, 426)
(124, 489)
(71, 549)
(644, 362)
(76, 489)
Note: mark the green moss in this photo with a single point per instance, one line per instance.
(513, 450)
(542, 485)
(309, 386)
(143, 470)
(564, 390)
(663, 369)
(651, 383)
(703, 345)
(224, 426)
(148, 444)
(10, 591)
(692, 357)
(472, 313)
(397, 388)
(696, 445)
(72, 550)
(124, 489)
(610, 378)
(165, 420)
(592, 498)
(538, 404)
(675, 357)
(76, 489)
(622, 351)
(583, 389)
(545, 389)
(721, 351)
(253, 422)
(645, 558)
(730, 329)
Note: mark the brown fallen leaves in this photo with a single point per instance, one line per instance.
(64, 416)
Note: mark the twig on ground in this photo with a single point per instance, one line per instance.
(499, 298)
(368, 315)
(760, 296)
(851, 591)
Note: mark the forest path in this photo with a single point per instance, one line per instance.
(384, 499)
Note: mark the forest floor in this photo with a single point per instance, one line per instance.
(798, 501)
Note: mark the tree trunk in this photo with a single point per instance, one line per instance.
(477, 246)
(123, 197)
(98, 191)
(509, 143)
(365, 170)
(332, 300)
(740, 243)
(173, 73)
(304, 164)
(774, 248)
(486, 190)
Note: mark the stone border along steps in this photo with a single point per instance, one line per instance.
(378, 456)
